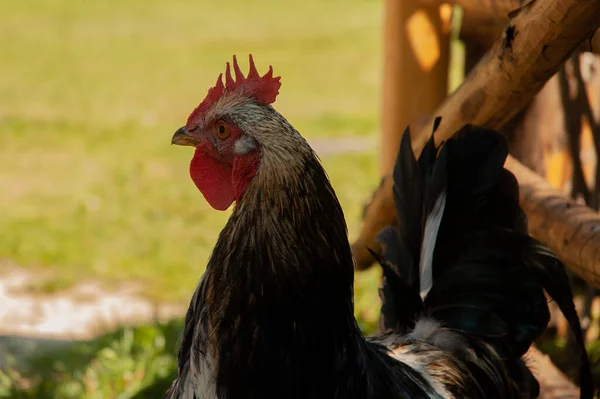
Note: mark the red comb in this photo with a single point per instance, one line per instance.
(264, 89)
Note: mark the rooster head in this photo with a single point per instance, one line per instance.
(228, 130)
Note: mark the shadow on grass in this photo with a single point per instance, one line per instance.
(129, 363)
(134, 362)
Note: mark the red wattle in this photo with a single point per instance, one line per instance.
(213, 178)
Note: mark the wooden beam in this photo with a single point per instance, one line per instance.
(488, 13)
(534, 45)
(569, 229)
(416, 49)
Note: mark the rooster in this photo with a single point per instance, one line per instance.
(273, 314)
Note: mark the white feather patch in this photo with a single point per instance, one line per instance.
(205, 377)
(432, 226)
(417, 363)
(244, 145)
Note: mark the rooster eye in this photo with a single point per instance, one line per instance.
(223, 130)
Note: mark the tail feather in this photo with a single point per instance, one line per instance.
(435, 185)
(551, 273)
(492, 292)
(462, 243)
(435, 202)
(408, 196)
(400, 303)
(420, 197)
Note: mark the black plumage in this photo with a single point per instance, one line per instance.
(273, 315)
(489, 274)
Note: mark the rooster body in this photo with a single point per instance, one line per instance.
(273, 314)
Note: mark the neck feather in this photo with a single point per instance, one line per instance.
(280, 280)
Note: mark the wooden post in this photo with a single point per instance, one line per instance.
(416, 58)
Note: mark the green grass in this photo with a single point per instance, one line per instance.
(130, 363)
(139, 363)
(90, 93)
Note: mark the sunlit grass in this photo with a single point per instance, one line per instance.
(80, 208)
(90, 93)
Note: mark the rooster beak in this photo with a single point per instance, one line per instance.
(183, 137)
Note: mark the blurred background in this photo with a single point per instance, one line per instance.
(103, 236)
(100, 225)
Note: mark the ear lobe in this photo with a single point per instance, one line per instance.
(244, 145)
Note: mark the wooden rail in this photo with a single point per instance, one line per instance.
(533, 46)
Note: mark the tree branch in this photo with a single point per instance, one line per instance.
(490, 12)
(534, 45)
(571, 230)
